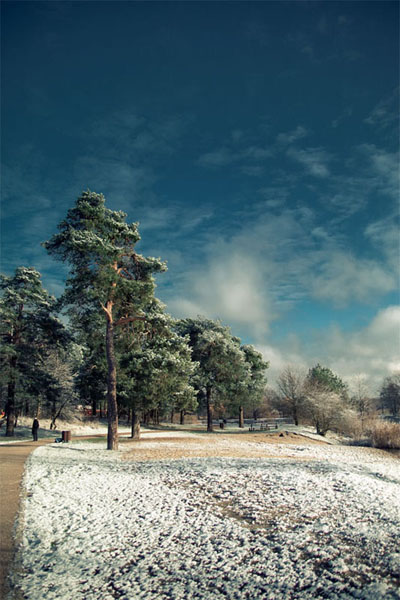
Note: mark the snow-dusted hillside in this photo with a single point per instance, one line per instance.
(309, 522)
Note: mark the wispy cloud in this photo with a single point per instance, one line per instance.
(134, 136)
(218, 158)
(385, 168)
(315, 160)
(345, 114)
(341, 277)
(292, 136)
(386, 113)
(239, 152)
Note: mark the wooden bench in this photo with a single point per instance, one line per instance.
(259, 427)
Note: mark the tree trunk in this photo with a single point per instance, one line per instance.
(135, 429)
(209, 411)
(112, 407)
(172, 416)
(10, 406)
(182, 417)
(53, 414)
(94, 407)
(241, 417)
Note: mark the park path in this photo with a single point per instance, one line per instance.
(12, 464)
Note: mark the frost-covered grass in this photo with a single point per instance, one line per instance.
(23, 431)
(323, 522)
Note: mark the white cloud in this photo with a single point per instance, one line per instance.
(385, 166)
(341, 277)
(385, 113)
(279, 358)
(271, 263)
(292, 136)
(229, 288)
(313, 159)
(384, 234)
(372, 352)
(217, 158)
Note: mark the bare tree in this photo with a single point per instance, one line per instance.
(291, 390)
(361, 400)
(324, 407)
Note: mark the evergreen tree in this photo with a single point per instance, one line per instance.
(323, 376)
(29, 329)
(257, 380)
(107, 274)
(390, 394)
(221, 361)
(158, 370)
(91, 380)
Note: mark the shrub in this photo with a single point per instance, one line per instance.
(385, 435)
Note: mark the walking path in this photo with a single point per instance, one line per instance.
(12, 463)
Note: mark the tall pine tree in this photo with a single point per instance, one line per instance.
(107, 275)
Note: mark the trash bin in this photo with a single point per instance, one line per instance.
(66, 436)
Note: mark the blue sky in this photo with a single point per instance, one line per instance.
(256, 143)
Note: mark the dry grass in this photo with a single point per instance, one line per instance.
(245, 445)
(385, 435)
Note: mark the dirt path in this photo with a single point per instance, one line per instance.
(12, 463)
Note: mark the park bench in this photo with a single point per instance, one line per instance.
(259, 427)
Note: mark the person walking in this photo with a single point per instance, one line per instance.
(35, 427)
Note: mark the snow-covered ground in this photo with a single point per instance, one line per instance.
(310, 522)
(23, 432)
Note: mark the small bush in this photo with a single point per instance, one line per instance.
(385, 435)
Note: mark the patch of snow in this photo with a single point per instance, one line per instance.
(97, 526)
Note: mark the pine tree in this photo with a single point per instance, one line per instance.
(251, 385)
(221, 361)
(158, 369)
(107, 274)
(29, 328)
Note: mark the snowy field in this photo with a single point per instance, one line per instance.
(23, 432)
(308, 522)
